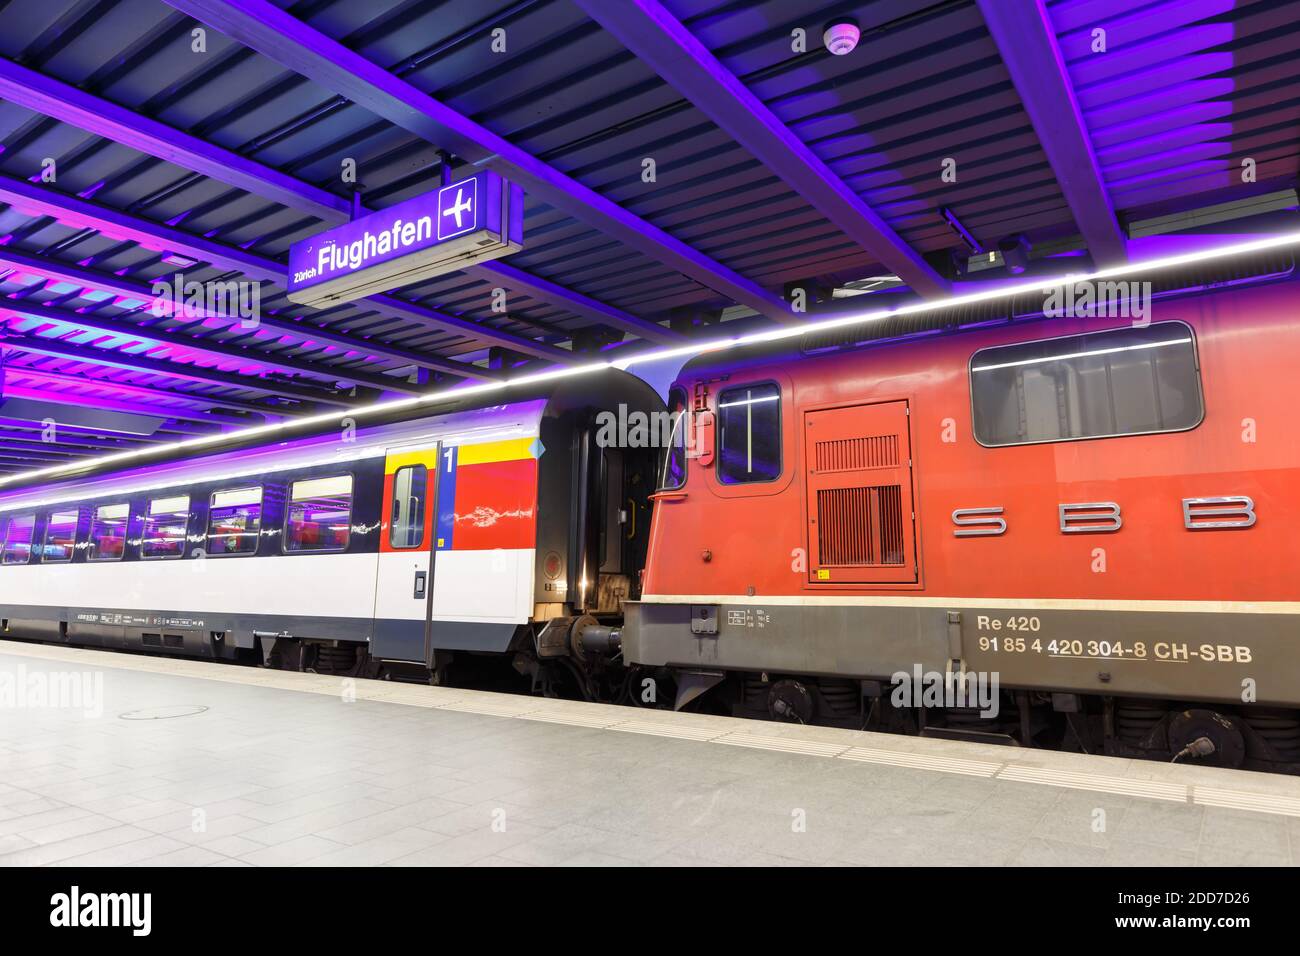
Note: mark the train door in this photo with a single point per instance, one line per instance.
(404, 575)
(861, 522)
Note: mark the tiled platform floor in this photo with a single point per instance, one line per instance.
(289, 769)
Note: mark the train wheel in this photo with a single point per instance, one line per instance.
(791, 702)
(1206, 737)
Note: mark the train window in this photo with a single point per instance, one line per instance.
(673, 473)
(749, 437)
(1131, 381)
(60, 536)
(234, 521)
(108, 532)
(165, 524)
(18, 539)
(320, 514)
(410, 494)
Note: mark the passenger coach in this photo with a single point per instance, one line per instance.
(463, 527)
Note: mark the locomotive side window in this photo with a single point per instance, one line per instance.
(18, 539)
(1131, 381)
(749, 437)
(164, 527)
(410, 493)
(60, 536)
(320, 514)
(108, 532)
(234, 521)
(672, 474)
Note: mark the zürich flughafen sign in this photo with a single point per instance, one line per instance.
(472, 221)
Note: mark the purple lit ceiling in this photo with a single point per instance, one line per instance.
(773, 168)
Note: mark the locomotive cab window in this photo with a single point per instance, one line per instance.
(749, 434)
(410, 496)
(672, 474)
(165, 524)
(319, 517)
(18, 539)
(1130, 381)
(107, 539)
(60, 536)
(234, 521)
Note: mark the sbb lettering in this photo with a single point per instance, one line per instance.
(1104, 517)
(1225, 653)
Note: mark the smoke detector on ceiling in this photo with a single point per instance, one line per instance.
(841, 37)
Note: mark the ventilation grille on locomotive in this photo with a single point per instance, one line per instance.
(855, 454)
(860, 527)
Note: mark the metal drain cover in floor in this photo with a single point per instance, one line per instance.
(164, 712)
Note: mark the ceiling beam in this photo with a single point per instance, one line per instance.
(112, 358)
(220, 351)
(149, 395)
(660, 40)
(43, 450)
(1025, 38)
(81, 213)
(68, 104)
(66, 439)
(306, 51)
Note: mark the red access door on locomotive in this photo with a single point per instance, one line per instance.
(858, 470)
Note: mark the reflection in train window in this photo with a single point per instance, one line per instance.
(108, 532)
(18, 539)
(673, 473)
(320, 514)
(60, 536)
(165, 524)
(749, 439)
(410, 492)
(1131, 381)
(234, 521)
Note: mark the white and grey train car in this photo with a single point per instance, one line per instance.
(492, 524)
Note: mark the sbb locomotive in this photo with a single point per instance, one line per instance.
(1098, 514)
(1091, 518)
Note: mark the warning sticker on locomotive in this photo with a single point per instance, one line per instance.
(748, 617)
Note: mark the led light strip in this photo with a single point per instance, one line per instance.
(1042, 286)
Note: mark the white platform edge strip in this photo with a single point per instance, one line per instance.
(662, 724)
(1152, 789)
(1241, 800)
(915, 761)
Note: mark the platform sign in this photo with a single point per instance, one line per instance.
(472, 221)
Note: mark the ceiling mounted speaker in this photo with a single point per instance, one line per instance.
(841, 37)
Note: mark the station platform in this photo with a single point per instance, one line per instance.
(192, 763)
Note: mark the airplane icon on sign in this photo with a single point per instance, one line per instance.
(462, 205)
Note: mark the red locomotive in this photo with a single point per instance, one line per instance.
(1101, 515)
